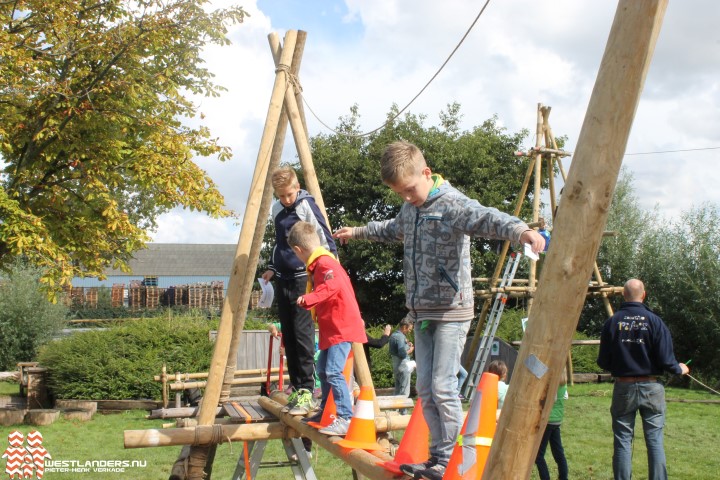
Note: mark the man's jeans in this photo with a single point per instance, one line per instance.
(402, 373)
(437, 353)
(649, 399)
(330, 370)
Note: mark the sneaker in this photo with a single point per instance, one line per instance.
(412, 468)
(304, 403)
(435, 472)
(317, 417)
(292, 400)
(338, 428)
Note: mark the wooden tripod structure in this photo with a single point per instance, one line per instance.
(559, 297)
(546, 154)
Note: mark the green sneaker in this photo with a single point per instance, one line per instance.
(304, 403)
(292, 400)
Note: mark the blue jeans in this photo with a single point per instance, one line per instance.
(330, 370)
(402, 375)
(552, 436)
(649, 399)
(437, 352)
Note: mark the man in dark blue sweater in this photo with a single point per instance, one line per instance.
(636, 347)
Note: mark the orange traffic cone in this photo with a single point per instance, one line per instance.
(414, 446)
(486, 428)
(361, 433)
(330, 409)
(463, 464)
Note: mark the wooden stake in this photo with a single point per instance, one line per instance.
(577, 233)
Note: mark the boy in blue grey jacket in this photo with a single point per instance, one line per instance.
(435, 225)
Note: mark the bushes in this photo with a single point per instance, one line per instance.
(120, 363)
(27, 318)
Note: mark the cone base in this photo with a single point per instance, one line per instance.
(362, 445)
(393, 467)
(318, 425)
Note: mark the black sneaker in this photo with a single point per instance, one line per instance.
(412, 469)
(317, 417)
(436, 472)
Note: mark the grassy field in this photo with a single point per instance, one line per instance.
(691, 442)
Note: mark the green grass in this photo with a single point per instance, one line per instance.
(691, 437)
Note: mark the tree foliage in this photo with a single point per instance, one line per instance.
(27, 319)
(96, 139)
(480, 162)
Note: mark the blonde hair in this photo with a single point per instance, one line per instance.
(499, 368)
(284, 177)
(304, 235)
(399, 161)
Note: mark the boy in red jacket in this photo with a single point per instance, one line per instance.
(338, 317)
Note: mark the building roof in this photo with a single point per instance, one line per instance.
(166, 259)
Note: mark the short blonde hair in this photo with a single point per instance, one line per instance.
(399, 161)
(284, 177)
(304, 235)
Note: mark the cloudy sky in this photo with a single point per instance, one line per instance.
(376, 53)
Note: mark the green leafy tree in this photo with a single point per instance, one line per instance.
(619, 254)
(96, 139)
(680, 265)
(480, 162)
(27, 318)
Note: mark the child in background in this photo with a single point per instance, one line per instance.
(338, 318)
(294, 205)
(499, 368)
(552, 436)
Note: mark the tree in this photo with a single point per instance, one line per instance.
(619, 254)
(95, 137)
(680, 265)
(480, 162)
(27, 319)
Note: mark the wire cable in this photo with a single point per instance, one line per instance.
(698, 381)
(472, 25)
(674, 151)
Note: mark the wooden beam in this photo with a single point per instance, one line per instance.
(578, 228)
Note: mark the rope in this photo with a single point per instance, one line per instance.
(472, 25)
(698, 381)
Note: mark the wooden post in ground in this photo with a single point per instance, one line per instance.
(238, 295)
(577, 233)
(266, 199)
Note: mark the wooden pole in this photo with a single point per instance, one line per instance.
(578, 229)
(243, 270)
(266, 199)
(537, 187)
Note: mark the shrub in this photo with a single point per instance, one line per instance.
(27, 318)
(120, 363)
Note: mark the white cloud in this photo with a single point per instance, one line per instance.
(521, 52)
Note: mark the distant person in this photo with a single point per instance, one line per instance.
(400, 350)
(552, 436)
(338, 318)
(499, 368)
(376, 343)
(435, 224)
(295, 205)
(636, 347)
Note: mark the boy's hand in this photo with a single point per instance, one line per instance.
(536, 241)
(387, 330)
(301, 300)
(267, 275)
(343, 234)
(273, 330)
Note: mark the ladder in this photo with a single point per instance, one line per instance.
(251, 460)
(491, 325)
